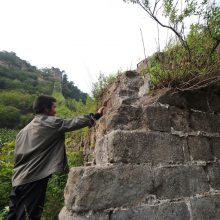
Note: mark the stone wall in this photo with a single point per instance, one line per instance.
(156, 157)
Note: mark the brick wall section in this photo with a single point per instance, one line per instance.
(156, 158)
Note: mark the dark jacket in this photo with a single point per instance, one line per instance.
(40, 147)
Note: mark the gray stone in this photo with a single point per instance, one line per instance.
(157, 118)
(200, 121)
(174, 99)
(98, 188)
(180, 181)
(161, 118)
(206, 208)
(186, 100)
(205, 99)
(200, 149)
(94, 188)
(127, 92)
(179, 119)
(140, 147)
(151, 160)
(213, 170)
(169, 211)
(66, 214)
(214, 99)
(215, 145)
(125, 117)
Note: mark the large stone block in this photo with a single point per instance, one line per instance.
(200, 148)
(213, 170)
(169, 211)
(66, 214)
(140, 147)
(204, 99)
(94, 188)
(160, 117)
(125, 118)
(180, 181)
(215, 146)
(157, 117)
(200, 121)
(98, 188)
(206, 208)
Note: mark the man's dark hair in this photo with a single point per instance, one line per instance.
(43, 102)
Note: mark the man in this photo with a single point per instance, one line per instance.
(40, 152)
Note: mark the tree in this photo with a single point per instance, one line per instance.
(177, 14)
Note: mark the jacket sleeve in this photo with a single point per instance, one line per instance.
(65, 125)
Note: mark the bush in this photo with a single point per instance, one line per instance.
(19, 100)
(7, 135)
(54, 197)
(6, 166)
(103, 81)
(9, 116)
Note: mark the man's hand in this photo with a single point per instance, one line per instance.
(100, 110)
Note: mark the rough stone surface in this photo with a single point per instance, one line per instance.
(140, 147)
(180, 181)
(66, 214)
(98, 188)
(144, 212)
(200, 149)
(205, 122)
(94, 188)
(215, 145)
(205, 100)
(213, 174)
(160, 117)
(126, 117)
(160, 212)
(206, 208)
(156, 157)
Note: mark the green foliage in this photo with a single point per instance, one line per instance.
(172, 68)
(11, 59)
(178, 16)
(18, 90)
(75, 157)
(15, 109)
(3, 213)
(102, 83)
(17, 99)
(69, 90)
(192, 61)
(7, 135)
(6, 165)
(9, 116)
(54, 197)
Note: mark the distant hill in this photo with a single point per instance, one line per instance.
(20, 83)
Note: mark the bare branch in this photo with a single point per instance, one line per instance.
(155, 5)
(184, 43)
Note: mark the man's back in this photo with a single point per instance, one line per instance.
(39, 150)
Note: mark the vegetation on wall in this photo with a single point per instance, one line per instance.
(102, 83)
(192, 58)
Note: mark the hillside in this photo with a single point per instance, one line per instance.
(20, 83)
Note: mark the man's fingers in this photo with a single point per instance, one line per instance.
(100, 111)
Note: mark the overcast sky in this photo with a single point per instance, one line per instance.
(84, 38)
